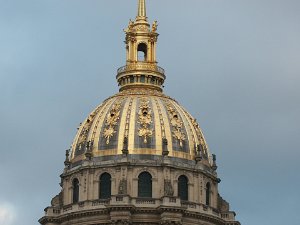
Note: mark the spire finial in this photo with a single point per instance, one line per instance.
(142, 8)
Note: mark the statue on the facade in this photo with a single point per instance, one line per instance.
(130, 26)
(154, 26)
(168, 188)
(122, 187)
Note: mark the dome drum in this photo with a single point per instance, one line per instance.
(141, 74)
(165, 200)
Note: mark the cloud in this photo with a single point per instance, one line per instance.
(7, 214)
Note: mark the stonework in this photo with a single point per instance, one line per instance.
(142, 151)
(165, 207)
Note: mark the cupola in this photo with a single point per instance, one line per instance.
(141, 69)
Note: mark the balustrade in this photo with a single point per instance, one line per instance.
(141, 66)
(139, 202)
(145, 201)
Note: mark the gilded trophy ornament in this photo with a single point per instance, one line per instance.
(176, 123)
(112, 121)
(145, 120)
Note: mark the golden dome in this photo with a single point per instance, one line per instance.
(140, 119)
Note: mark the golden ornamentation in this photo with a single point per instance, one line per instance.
(200, 136)
(142, 28)
(98, 122)
(84, 133)
(108, 133)
(154, 26)
(145, 120)
(179, 136)
(176, 123)
(85, 130)
(161, 120)
(141, 66)
(112, 121)
(130, 26)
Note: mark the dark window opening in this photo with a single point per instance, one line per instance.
(131, 79)
(143, 79)
(142, 52)
(183, 188)
(208, 188)
(75, 190)
(105, 186)
(145, 185)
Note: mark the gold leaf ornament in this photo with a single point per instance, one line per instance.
(176, 124)
(145, 120)
(179, 136)
(108, 134)
(111, 121)
(145, 132)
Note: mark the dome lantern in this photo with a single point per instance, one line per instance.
(141, 69)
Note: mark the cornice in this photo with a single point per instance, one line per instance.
(134, 211)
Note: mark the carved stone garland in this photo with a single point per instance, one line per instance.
(145, 120)
(112, 121)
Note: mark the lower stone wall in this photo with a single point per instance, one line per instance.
(124, 175)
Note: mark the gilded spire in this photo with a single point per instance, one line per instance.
(142, 9)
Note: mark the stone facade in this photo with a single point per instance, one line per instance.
(165, 207)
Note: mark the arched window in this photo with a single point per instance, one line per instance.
(145, 185)
(75, 185)
(208, 188)
(105, 186)
(142, 52)
(183, 188)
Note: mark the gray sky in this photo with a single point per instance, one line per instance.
(233, 64)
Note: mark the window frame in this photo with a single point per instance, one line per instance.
(104, 186)
(183, 188)
(145, 189)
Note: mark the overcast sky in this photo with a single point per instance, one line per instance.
(234, 64)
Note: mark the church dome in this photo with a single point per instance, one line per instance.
(139, 121)
(139, 158)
